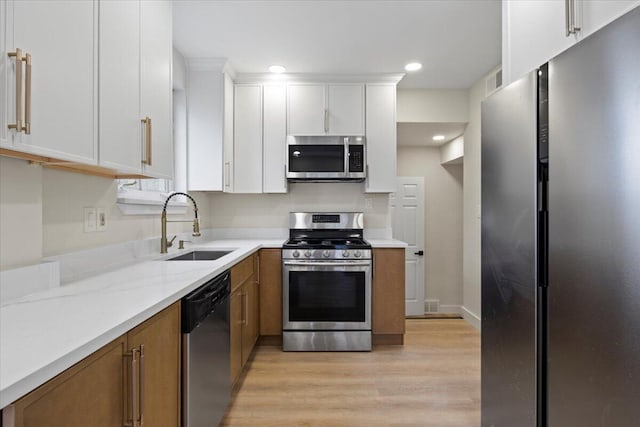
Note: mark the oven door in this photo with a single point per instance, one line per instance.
(326, 295)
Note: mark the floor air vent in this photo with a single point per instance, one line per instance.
(431, 306)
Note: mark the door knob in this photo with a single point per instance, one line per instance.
(419, 253)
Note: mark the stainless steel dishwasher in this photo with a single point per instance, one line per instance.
(206, 382)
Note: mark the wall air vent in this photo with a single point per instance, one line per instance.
(493, 82)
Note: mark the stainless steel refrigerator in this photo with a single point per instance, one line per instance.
(561, 239)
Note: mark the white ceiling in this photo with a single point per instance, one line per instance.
(457, 41)
(421, 134)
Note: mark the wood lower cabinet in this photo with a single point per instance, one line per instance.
(244, 313)
(271, 292)
(97, 391)
(91, 390)
(158, 340)
(388, 295)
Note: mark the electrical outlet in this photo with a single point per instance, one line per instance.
(368, 203)
(101, 219)
(90, 220)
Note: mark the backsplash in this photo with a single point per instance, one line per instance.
(272, 210)
(20, 213)
(41, 212)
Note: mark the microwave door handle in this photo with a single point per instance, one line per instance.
(346, 157)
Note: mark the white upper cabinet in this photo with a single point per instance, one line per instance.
(156, 87)
(535, 31)
(4, 61)
(325, 109)
(59, 86)
(135, 88)
(345, 111)
(274, 138)
(227, 134)
(247, 143)
(306, 109)
(381, 138)
(209, 124)
(120, 140)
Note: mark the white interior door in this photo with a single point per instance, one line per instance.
(407, 217)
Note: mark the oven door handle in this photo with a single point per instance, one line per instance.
(329, 263)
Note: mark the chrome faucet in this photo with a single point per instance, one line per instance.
(164, 243)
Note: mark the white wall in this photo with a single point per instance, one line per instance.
(471, 201)
(432, 105)
(443, 222)
(271, 210)
(20, 213)
(178, 71)
(452, 151)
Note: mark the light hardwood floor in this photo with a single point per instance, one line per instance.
(433, 380)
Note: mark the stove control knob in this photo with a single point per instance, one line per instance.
(358, 254)
(296, 254)
(345, 254)
(326, 254)
(307, 253)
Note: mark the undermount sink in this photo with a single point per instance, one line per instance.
(200, 256)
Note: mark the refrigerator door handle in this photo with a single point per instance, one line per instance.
(567, 17)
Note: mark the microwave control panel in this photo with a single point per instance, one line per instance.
(356, 158)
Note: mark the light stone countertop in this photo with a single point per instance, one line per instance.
(386, 243)
(45, 333)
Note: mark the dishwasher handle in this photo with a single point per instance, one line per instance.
(199, 304)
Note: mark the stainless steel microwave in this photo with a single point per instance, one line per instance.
(326, 158)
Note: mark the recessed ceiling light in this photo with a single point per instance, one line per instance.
(279, 69)
(413, 66)
(438, 137)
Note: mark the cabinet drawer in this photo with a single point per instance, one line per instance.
(241, 272)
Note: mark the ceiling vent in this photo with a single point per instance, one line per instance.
(493, 82)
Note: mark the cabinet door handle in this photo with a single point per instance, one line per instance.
(18, 124)
(227, 174)
(27, 95)
(326, 121)
(575, 27)
(245, 320)
(147, 141)
(141, 380)
(258, 269)
(133, 421)
(366, 175)
(570, 18)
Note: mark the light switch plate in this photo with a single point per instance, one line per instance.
(90, 220)
(101, 219)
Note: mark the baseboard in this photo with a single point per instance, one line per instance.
(471, 318)
(450, 309)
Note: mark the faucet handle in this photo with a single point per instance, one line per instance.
(181, 243)
(170, 242)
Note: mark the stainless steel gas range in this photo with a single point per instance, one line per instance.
(326, 283)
